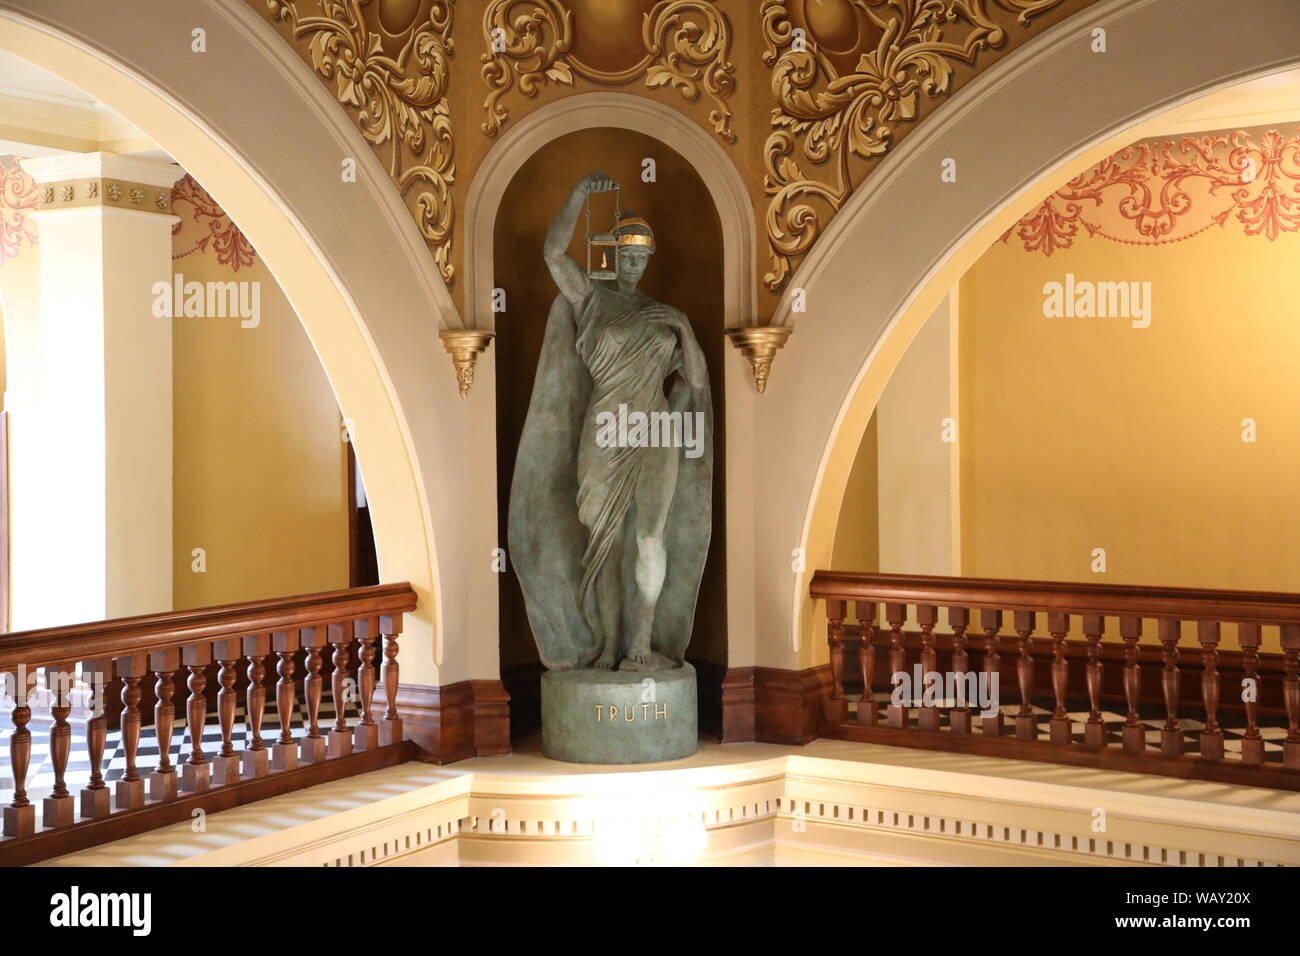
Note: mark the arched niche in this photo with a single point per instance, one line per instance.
(687, 271)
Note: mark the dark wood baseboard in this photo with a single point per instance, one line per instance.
(47, 844)
(771, 705)
(738, 698)
(470, 718)
(491, 718)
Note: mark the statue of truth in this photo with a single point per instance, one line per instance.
(609, 526)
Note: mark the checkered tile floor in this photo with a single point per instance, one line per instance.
(40, 774)
(1153, 718)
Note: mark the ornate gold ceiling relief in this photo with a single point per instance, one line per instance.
(388, 63)
(681, 44)
(846, 75)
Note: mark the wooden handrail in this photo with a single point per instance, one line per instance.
(1010, 622)
(1190, 604)
(358, 627)
(154, 632)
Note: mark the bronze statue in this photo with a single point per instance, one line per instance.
(609, 522)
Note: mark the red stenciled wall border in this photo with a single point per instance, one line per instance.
(18, 195)
(1158, 192)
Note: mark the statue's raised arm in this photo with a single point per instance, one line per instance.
(568, 275)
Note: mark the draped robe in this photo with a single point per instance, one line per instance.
(572, 501)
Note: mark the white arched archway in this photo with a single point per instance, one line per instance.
(719, 174)
(253, 124)
(1046, 112)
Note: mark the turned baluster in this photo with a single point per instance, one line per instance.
(1252, 744)
(284, 753)
(20, 815)
(196, 772)
(95, 797)
(1094, 731)
(225, 765)
(1290, 636)
(164, 783)
(1026, 725)
(129, 791)
(959, 716)
(56, 809)
(1171, 735)
(1058, 625)
(866, 611)
(311, 746)
(365, 735)
(927, 615)
(1207, 632)
(340, 739)
(390, 727)
(256, 758)
(991, 623)
(897, 716)
(836, 707)
(1135, 735)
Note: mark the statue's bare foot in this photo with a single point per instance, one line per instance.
(653, 661)
(604, 662)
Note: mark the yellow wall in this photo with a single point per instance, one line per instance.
(1083, 433)
(1088, 433)
(260, 467)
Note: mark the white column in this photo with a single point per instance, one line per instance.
(95, 541)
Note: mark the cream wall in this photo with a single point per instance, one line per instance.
(258, 463)
(20, 278)
(899, 512)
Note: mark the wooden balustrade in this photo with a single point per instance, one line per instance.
(186, 643)
(1088, 678)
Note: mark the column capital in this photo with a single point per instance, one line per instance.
(72, 180)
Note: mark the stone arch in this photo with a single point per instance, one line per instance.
(904, 237)
(348, 257)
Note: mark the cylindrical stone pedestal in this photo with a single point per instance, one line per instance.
(619, 716)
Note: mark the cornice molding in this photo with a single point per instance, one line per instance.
(100, 165)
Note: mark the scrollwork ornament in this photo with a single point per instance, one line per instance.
(687, 47)
(398, 101)
(826, 123)
(526, 43)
